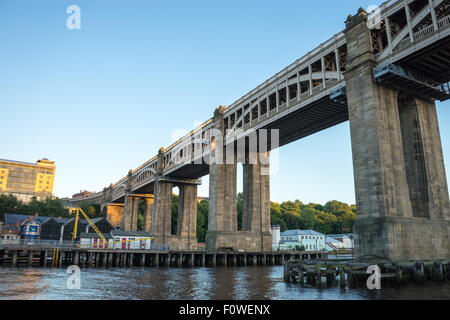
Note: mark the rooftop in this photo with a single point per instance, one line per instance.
(94, 235)
(40, 161)
(118, 233)
(298, 232)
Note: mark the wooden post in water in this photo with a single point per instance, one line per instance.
(14, 258)
(342, 276)
(97, 259)
(60, 257)
(90, 259)
(44, 258)
(76, 257)
(254, 260)
(30, 258)
(130, 260)
(116, 259)
(203, 259)
(318, 275)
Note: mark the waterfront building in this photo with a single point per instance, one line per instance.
(332, 244)
(9, 232)
(31, 227)
(131, 239)
(26, 180)
(309, 240)
(68, 225)
(93, 240)
(117, 239)
(341, 241)
(52, 228)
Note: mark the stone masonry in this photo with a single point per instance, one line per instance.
(222, 218)
(401, 188)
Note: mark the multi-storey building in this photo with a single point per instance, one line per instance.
(25, 180)
(310, 240)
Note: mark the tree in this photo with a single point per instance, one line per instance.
(307, 220)
(174, 214)
(240, 209)
(290, 207)
(46, 208)
(9, 204)
(202, 220)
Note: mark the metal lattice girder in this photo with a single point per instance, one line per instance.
(399, 78)
(339, 96)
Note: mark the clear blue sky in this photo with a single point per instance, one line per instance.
(102, 100)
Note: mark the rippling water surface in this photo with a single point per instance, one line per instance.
(190, 283)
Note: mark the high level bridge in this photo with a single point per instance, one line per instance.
(383, 73)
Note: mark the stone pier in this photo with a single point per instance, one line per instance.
(222, 218)
(400, 182)
(187, 217)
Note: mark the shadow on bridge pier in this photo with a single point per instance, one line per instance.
(89, 258)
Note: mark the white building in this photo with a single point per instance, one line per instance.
(310, 240)
(275, 232)
(340, 242)
(118, 239)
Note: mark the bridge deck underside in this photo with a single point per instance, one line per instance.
(315, 117)
(432, 62)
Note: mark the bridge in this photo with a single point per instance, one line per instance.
(383, 74)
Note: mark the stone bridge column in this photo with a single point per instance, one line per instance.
(114, 214)
(162, 212)
(222, 215)
(400, 185)
(149, 201)
(256, 204)
(131, 211)
(187, 216)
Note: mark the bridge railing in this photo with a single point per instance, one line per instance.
(37, 244)
(25, 244)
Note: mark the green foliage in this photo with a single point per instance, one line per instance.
(46, 208)
(141, 213)
(174, 214)
(202, 220)
(92, 210)
(240, 209)
(333, 217)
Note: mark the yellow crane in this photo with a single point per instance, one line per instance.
(77, 211)
(75, 227)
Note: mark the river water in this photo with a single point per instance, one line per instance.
(247, 283)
